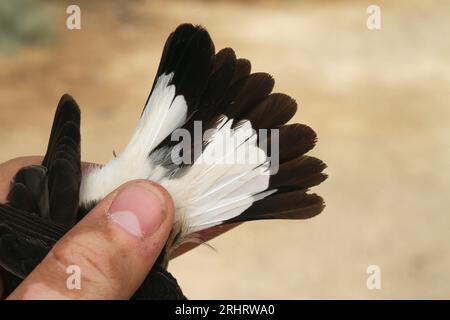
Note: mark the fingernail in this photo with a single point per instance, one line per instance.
(138, 210)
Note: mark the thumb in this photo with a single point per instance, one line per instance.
(108, 254)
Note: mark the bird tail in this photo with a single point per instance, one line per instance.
(248, 164)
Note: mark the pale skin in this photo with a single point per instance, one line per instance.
(103, 250)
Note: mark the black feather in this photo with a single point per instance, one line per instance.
(189, 55)
(295, 204)
(294, 140)
(25, 239)
(303, 172)
(43, 200)
(66, 112)
(257, 87)
(272, 112)
(242, 70)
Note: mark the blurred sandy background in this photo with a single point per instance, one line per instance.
(379, 101)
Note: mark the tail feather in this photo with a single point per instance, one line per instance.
(285, 205)
(218, 84)
(242, 70)
(194, 84)
(256, 88)
(303, 172)
(280, 107)
(294, 140)
(189, 55)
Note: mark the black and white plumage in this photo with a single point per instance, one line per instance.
(193, 83)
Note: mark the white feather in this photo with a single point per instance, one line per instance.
(163, 113)
(222, 183)
(226, 179)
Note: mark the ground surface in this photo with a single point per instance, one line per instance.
(378, 100)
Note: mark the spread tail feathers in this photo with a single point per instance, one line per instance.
(196, 85)
(248, 164)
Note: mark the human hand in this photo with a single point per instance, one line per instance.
(101, 246)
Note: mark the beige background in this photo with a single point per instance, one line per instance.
(378, 100)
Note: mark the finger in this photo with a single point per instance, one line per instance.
(111, 250)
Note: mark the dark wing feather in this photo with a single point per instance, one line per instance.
(25, 239)
(66, 112)
(63, 162)
(29, 191)
(43, 200)
(159, 285)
